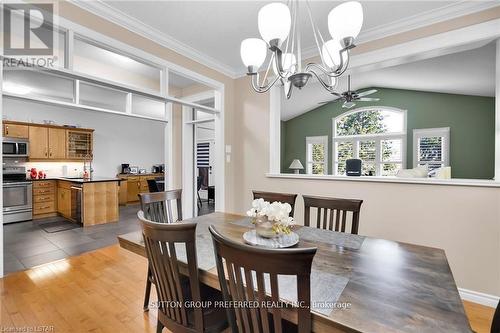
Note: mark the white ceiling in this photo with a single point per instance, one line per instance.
(211, 31)
(469, 72)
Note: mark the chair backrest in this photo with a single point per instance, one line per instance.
(281, 197)
(160, 240)
(157, 206)
(495, 325)
(153, 186)
(241, 262)
(330, 209)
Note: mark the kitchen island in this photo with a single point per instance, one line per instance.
(86, 201)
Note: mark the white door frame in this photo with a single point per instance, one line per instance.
(189, 209)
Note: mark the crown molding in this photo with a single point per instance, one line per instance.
(101, 9)
(421, 20)
(451, 11)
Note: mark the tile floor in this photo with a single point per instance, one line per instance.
(27, 245)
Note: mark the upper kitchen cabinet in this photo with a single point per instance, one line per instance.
(15, 131)
(39, 142)
(79, 144)
(47, 143)
(51, 142)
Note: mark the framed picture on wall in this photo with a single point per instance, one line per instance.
(134, 169)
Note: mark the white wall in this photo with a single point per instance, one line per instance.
(117, 139)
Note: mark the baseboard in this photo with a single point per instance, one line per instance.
(480, 298)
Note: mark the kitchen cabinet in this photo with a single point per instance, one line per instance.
(51, 142)
(64, 199)
(133, 189)
(39, 142)
(44, 198)
(15, 131)
(131, 185)
(57, 143)
(79, 144)
(47, 143)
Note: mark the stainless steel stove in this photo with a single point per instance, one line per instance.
(17, 194)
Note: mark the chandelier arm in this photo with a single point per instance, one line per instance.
(325, 71)
(325, 85)
(344, 64)
(268, 68)
(262, 89)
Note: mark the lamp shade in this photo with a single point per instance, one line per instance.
(274, 22)
(296, 165)
(345, 20)
(288, 62)
(331, 55)
(253, 52)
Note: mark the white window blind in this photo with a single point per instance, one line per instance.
(431, 147)
(317, 155)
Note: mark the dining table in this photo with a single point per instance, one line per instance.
(358, 283)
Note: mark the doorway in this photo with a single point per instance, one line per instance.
(200, 148)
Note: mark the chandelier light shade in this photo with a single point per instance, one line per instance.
(253, 53)
(345, 20)
(279, 27)
(331, 53)
(274, 22)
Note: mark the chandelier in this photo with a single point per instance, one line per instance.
(280, 32)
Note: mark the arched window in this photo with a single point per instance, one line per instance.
(376, 135)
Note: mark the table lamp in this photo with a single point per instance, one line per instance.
(296, 166)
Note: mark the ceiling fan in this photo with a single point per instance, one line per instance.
(350, 96)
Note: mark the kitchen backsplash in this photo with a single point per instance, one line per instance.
(57, 169)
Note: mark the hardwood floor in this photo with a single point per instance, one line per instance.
(101, 291)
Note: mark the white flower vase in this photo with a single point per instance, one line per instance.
(264, 227)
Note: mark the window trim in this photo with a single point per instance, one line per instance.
(425, 132)
(319, 139)
(378, 138)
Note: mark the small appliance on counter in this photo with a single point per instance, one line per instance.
(17, 194)
(125, 168)
(353, 167)
(158, 168)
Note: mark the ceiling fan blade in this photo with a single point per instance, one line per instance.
(348, 105)
(368, 99)
(366, 92)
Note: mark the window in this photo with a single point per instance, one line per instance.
(317, 155)
(431, 147)
(376, 135)
(92, 59)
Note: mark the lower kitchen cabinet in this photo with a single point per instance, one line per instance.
(64, 199)
(132, 185)
(44, 198)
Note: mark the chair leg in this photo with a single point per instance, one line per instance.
(148, 291)
(159, 327)
(199, 200)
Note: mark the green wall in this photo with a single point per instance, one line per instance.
(471, 120)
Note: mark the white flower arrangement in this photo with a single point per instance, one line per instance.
(277, 212)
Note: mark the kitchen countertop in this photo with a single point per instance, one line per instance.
(80, 180)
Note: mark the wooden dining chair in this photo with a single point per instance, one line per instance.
(281, 197)
(157, 207)
(174, 298)
(239, 262)
(153, 186)
(330, 209)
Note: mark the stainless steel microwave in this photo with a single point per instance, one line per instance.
(15, 147)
